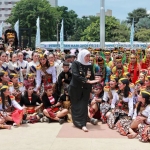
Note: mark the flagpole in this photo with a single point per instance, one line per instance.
(102, 24)
(38, 37)
(16, 27)
(62, 36)
(132, 34)
(1, 29)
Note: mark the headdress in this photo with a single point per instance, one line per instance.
(147, 77)
(4, 87)
(113, 77)
(124, 81)
(115, 50)
(127, 51)
(39, 50)
(27, 85)
(48, 86)
(118, 58)
(12, 75)
(97, 86)
(107, 52)
(2, 73)
(145, 93)
(126, 74)
(30, 75)
(139, 82)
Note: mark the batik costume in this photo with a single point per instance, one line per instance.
(11, 108)
(123, 109)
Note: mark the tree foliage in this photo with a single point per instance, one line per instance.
(137, 14)
(143, 35)
(114, 31)
(70, 18)
(143, 23)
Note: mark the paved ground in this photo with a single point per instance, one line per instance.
(43, 136)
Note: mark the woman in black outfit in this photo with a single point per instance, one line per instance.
(80, 88)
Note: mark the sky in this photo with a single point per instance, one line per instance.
(120, 8)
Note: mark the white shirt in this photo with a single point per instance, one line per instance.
(14, 66)
(128, 100)
(13, 103)
(30, 64)
(106, 96)
(145, 112)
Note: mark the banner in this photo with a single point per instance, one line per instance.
(1, 29)
(62, 36)
(16, 28)
(132, 34)
(38, 37)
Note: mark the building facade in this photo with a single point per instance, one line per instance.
(54, 3)
(5, 9)
(7, 5)
(107, 13)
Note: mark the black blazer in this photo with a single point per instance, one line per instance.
(79, 73)
(25, 100)
(46, 102)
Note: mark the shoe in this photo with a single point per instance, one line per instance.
(24, 122)
(61, 121)
(41, 120)
(46, 119)
(15, 125)
(94, 121)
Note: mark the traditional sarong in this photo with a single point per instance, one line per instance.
(123, 126)
(17, 116)
(52, 112)
(144, 132)
(115, 117)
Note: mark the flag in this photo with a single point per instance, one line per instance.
(16, 28)
(38, 38)
(132, 34)
(62, 36)
(1, 29)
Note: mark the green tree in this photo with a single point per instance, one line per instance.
(27, 11)
(137, 14)
(114, 31)
(143, 35)
(70, 18)
(143, 23)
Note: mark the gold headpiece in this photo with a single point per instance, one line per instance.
(133, 56)
(128, 51)
(145, 92)
(118, 58)
(14, 75)
(4, 87)
(41, 56)
(107, 52)
(30, 75)
(4, 72)
(113, 77)
(126, 74)
(123, 79)
(147, 77)
(139, 51)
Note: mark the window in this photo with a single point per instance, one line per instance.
(6, 15)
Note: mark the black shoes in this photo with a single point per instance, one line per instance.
(94, 121)
(61, 121)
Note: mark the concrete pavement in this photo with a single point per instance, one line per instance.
(44, 136)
